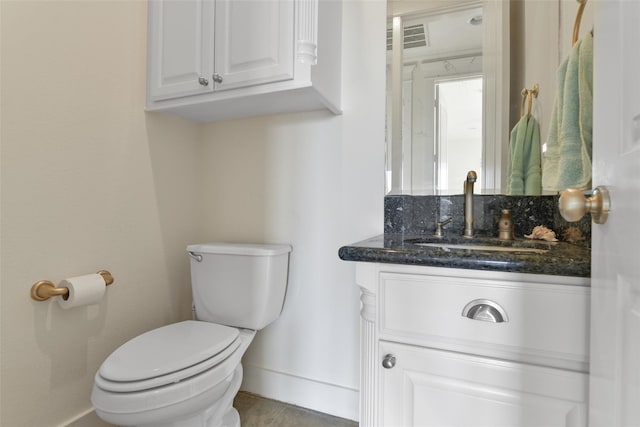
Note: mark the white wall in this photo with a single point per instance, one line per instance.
(316, 181)
(89, 181)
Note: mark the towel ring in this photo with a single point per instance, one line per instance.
(576, 25)
(529, 94)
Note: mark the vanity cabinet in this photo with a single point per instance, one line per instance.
(451, 347)
(219, 59)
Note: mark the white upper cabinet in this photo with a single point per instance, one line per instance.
(217, 59)
(253, 42)
(180, 49)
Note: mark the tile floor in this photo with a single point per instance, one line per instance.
(256, 411)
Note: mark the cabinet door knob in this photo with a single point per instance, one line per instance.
(203, 81)
(389, 361)
(217, 78)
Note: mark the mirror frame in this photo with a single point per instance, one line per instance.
(496, 60)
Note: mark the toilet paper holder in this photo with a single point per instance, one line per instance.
(45, 289)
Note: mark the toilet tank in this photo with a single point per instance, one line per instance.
(238, 284)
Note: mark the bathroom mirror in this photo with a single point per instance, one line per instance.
(447, 95)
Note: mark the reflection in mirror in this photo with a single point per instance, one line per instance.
(458, 133)
(442, 111)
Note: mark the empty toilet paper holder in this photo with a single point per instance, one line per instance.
(45, 289)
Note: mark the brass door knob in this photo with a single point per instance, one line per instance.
(573, 204)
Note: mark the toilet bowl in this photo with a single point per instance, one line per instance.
(200, 365)
(187, 374)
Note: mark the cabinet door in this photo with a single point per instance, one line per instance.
(180, 48)
(253, 42)
(437, 388)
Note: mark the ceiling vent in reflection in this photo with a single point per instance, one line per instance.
(414, 36)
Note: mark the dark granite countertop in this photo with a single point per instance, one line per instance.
(552, 258)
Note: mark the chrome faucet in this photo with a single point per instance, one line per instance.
(468, 203)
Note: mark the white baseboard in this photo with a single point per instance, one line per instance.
(323, 397)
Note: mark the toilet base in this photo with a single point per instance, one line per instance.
(225, 415)
(231, 418)
(220, 413)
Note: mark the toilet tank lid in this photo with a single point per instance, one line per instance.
(254, 249)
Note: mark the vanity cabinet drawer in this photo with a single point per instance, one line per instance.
(544, 324)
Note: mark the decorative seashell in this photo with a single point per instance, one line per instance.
(540, 232)
(572, 235)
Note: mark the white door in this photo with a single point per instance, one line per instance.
(254, 42)
(615, 307)
(435, 388)
(180, 48)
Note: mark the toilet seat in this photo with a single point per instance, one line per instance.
(167, 355)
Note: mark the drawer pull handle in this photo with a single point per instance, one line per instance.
(485, 310)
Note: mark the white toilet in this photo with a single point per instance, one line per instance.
(187, 374)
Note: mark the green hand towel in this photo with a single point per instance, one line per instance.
(525, 153)
(567, 160)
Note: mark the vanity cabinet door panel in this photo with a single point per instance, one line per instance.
(254, 42)
(180, 48)
(542, 324)
(428, 387)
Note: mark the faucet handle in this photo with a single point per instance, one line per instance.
(440, 225)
